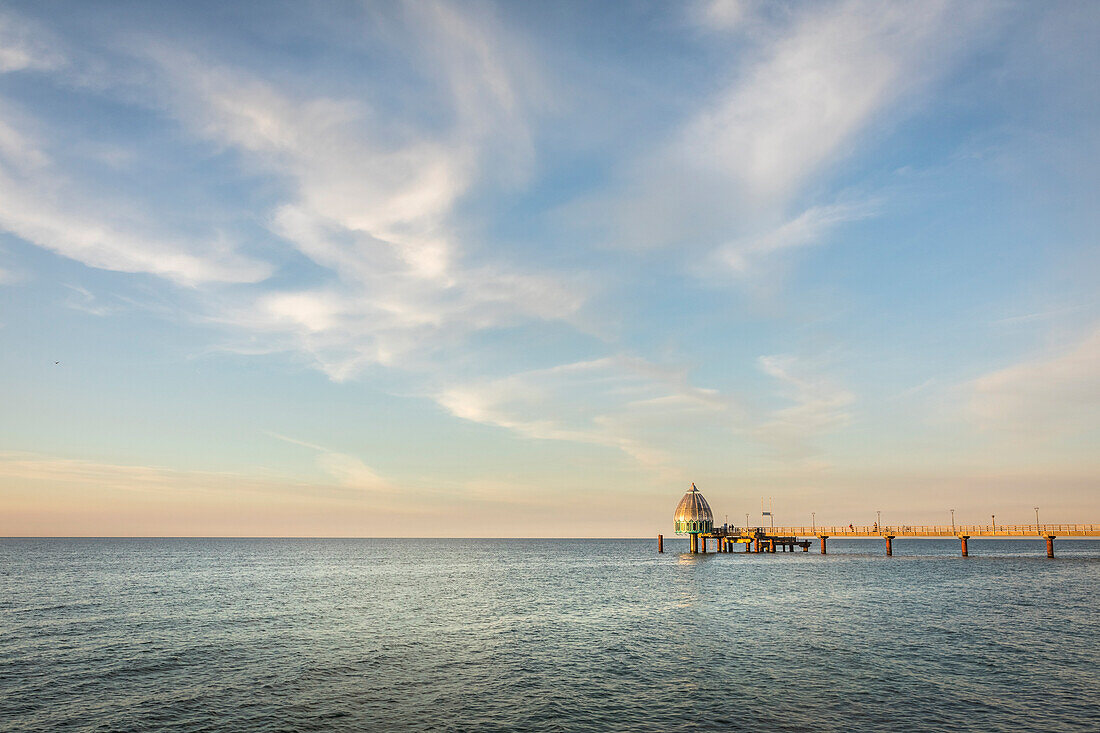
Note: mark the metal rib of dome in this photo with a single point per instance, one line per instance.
(693, 514)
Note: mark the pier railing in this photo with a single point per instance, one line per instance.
(940, 530)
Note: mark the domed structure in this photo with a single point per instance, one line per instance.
(693, 515)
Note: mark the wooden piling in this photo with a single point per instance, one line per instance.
(1050, 545)
(660, 543)
(889, 545)
(963, 538)
(823, 537)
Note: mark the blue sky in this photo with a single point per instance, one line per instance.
(464, 269)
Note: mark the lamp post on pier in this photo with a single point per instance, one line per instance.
(952, 521)
(1037, 519)
(813, 522)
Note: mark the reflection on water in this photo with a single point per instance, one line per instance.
(532, 635)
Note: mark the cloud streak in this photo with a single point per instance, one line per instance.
(1055, 395)
(820, 406)
(741, 178)
(618, 402)
(348, 470)
(25, 46)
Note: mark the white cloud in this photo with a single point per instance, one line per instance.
(802, 91)
(1054, 395)
(349, 471)
(805, 229)
(820, 405)
(44, 204)
(84, 300)
(618, 402)
(25, 46)
(824, 80)
(21, 471)
(724, 15)
(27, 466)
(372, 198)
(369, 195)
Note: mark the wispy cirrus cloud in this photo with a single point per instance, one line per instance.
(26, 46)
(346, 469)
(372, 198)
(817, 83)
(807, 228)
(619, 402)
(820, 406)
(367, 194)
(733, 178)
(61, 210)
(1057, 394)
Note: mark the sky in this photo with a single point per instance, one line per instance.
(530, 269)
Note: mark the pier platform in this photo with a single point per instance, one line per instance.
(786, 539)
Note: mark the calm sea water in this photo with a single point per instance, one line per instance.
(567, 635)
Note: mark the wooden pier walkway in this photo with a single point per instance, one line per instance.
(769, 539)
(946, 530)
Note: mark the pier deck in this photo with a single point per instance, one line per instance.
(769, 539)
(947, 530)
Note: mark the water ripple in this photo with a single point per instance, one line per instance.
(503, 635)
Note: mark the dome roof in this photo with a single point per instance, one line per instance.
(693, 513)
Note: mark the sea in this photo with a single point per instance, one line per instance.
(546, 635)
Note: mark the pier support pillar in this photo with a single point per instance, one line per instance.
(963, 538)
(889, 545)
(806, 546)
(823, 537)
(660, 543)
(748, 546)
(1050, 545)
(704, 541)
(771, 546)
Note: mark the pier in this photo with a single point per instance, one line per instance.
(694, 518)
